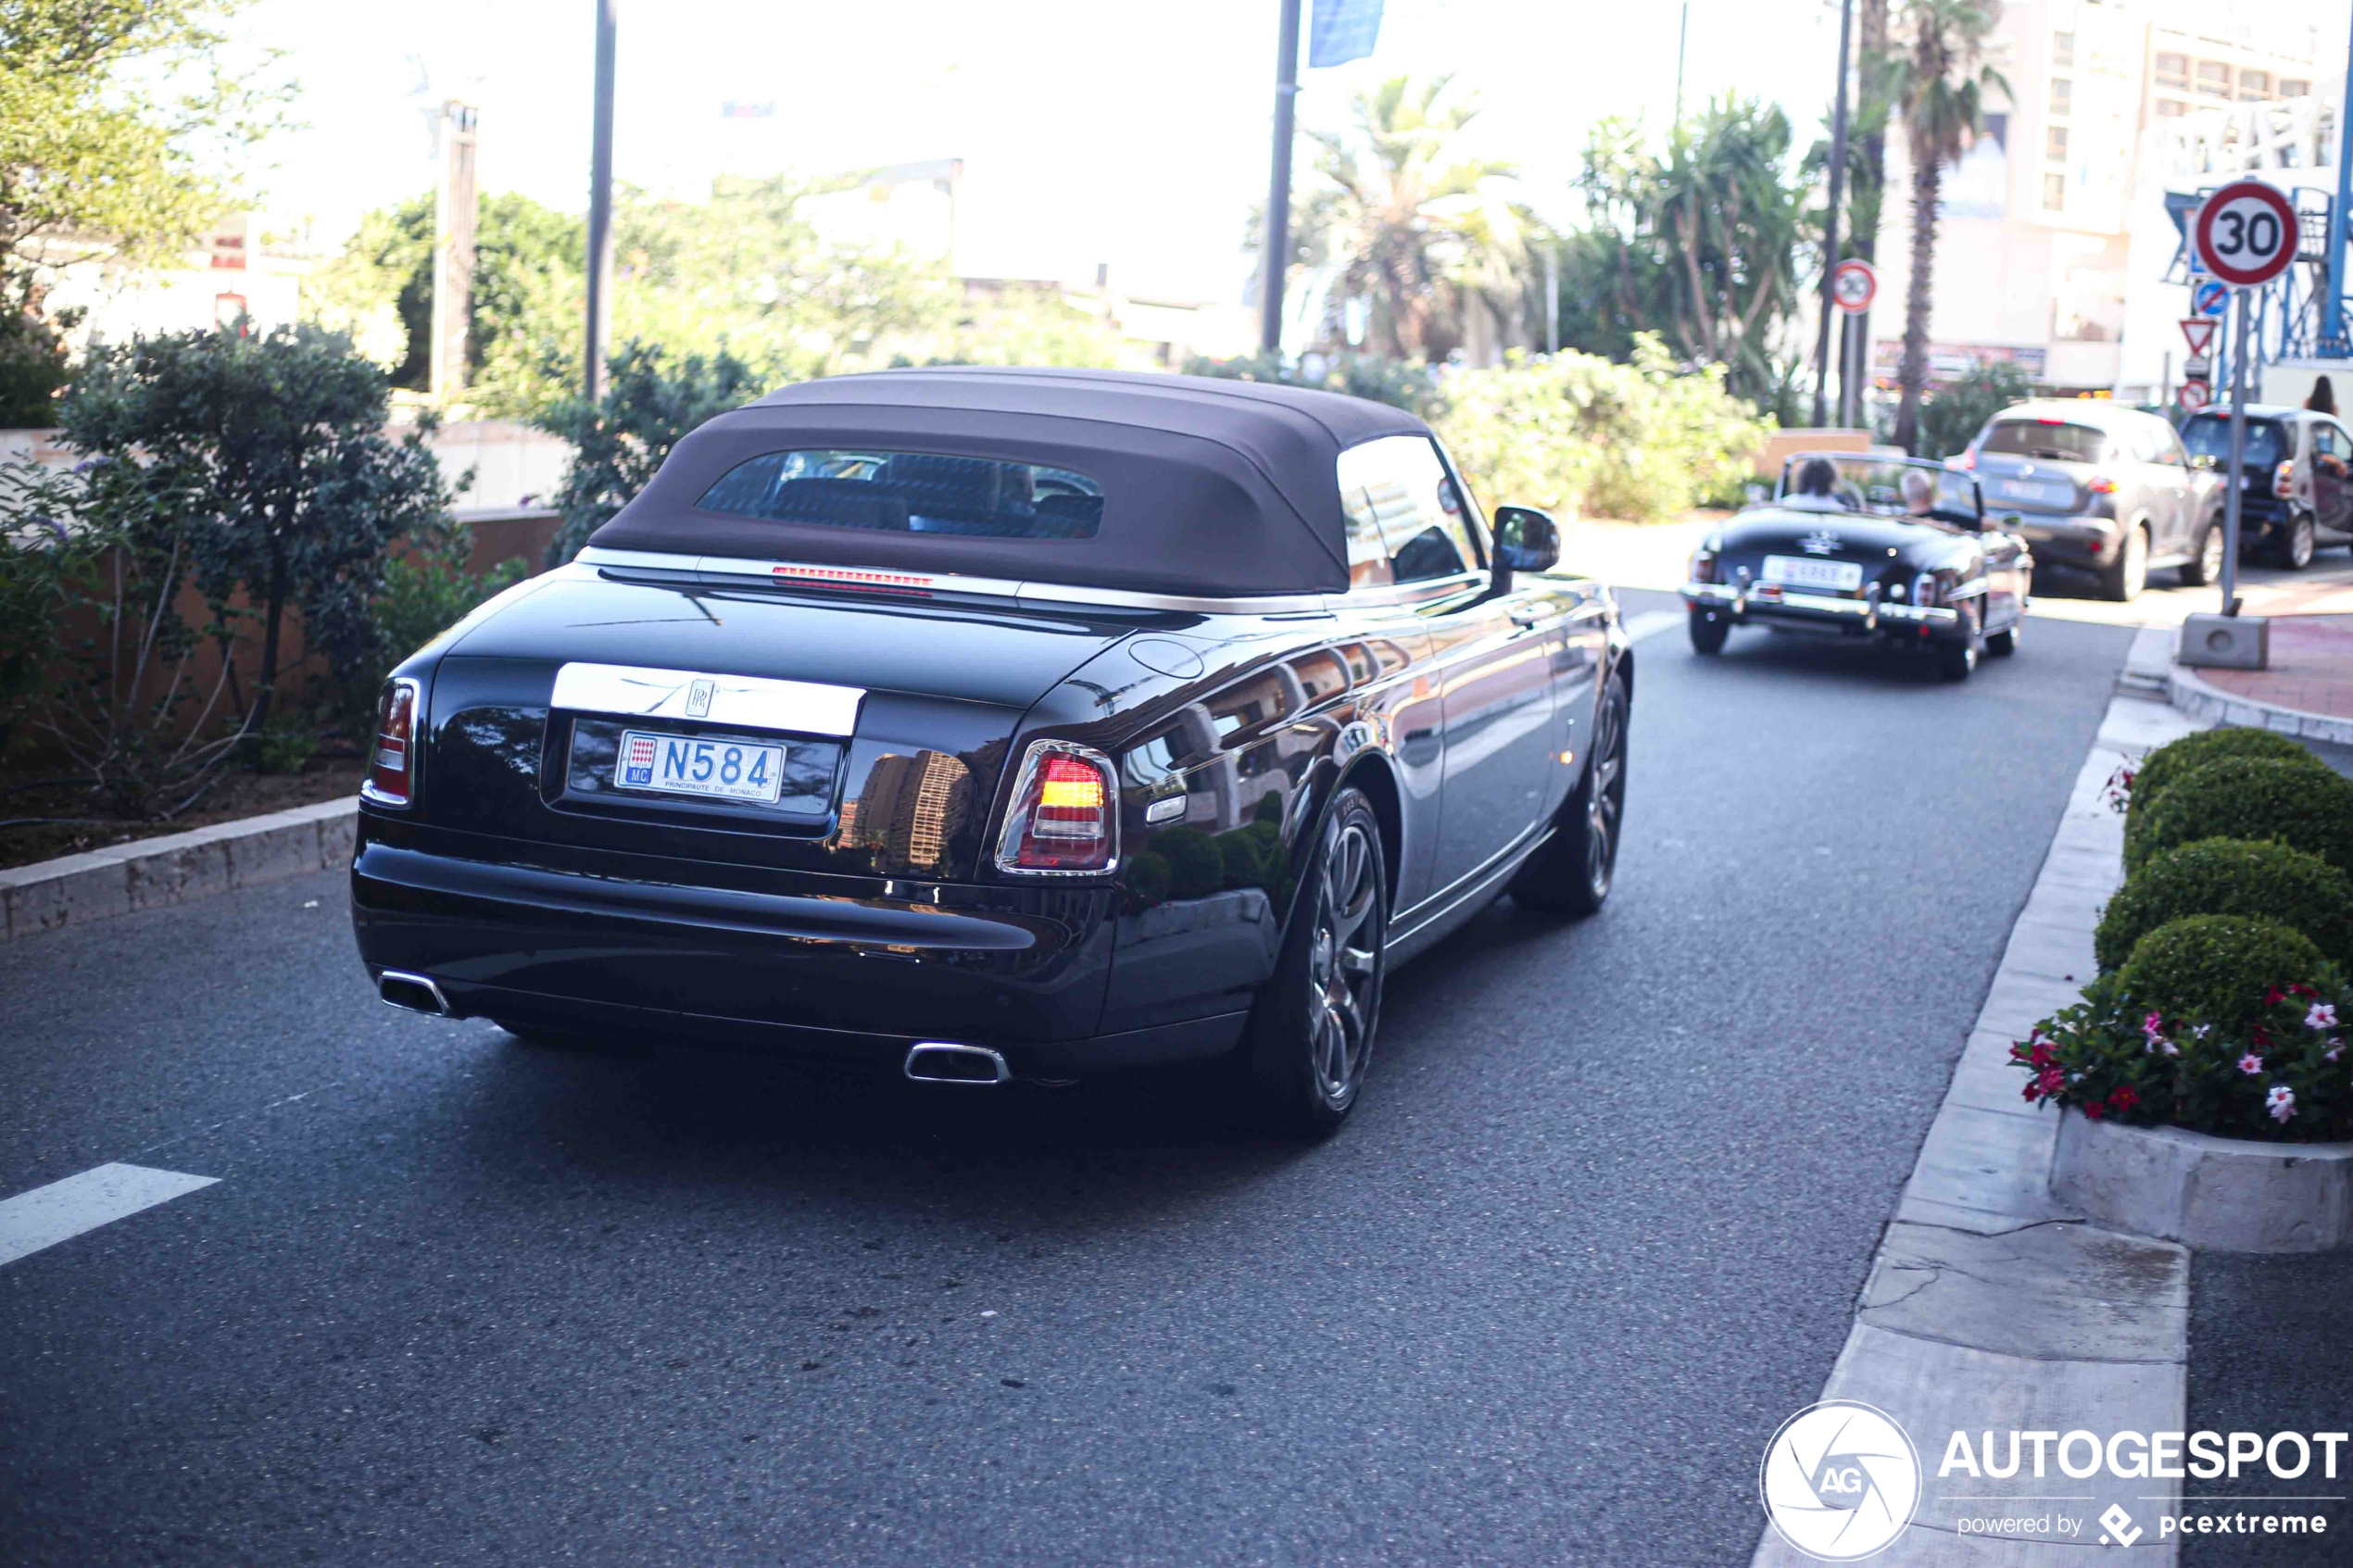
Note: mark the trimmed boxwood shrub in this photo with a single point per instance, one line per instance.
(2172, 759)
(2228, 876)
(2306, 805)
(2217, 968)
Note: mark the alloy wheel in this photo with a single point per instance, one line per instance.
(2299, 543)
(1343, 973)
(2209, 555)
(1605, 797)
(2136, 563)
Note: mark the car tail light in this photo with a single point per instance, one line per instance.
(392, 769)
(1064, 817)
(1924, 591)
(2100, 484)
(1703, 566)
(1967, 459)
(2283, 481)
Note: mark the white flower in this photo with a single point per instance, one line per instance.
(2322, 1016)
(2169, 1047)
(2331, 1054)
(2280, 1102)
(2200, 1031)
(2251, 1064)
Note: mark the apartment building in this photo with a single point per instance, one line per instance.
(2034, 226)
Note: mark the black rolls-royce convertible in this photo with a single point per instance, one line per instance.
(993, 725)
(1893, 548)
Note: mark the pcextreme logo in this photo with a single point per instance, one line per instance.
(1840, 1481)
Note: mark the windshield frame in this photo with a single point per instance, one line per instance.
(1864, 500)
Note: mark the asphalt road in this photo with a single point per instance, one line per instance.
(1595, 1231)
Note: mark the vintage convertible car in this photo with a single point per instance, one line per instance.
(1003, 724)
(1864, 547)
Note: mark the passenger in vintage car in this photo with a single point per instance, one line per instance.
(1000, 725)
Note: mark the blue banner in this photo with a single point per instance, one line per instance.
(1341, 31)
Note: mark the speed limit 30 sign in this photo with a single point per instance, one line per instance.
(2246, 234)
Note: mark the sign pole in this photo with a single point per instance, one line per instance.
(2234, 481)
(1275, 258)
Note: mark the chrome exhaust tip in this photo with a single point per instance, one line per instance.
(936, 1062)
(412, 993)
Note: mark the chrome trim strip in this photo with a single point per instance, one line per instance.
(1717, 592)
(747, 701)
(888, 580)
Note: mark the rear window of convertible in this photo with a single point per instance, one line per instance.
(912, 493)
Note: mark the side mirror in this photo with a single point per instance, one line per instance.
(2204, 461)
(1526, 540)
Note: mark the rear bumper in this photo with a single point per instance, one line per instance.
(2087, 544)
(820, 967)
(1764, 604)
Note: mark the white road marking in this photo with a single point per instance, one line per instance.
(62, 1211)
(1651, 622)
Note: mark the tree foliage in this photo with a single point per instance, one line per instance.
(652, 398)
(1939, 89)
(272, 452)
(118, 118)
(1701, 243)
(1410, 225)
(1954, 413)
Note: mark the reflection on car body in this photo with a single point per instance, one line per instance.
(1138, 720)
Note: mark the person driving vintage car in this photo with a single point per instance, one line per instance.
(1817, 488)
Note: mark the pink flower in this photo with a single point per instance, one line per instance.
(2281, 1103)
(2152, 1026)
(2049, 1081)
(2251, 1064)
(2125, 1099)
(2322, 1016)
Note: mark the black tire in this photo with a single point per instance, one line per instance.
(2003, 644)
(1311, 1035)
(2205, 564)
(1573, 874)
(1956, 661)
(2123, 582)
(2298, 544)
(1709, 629)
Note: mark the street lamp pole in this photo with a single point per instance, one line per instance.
(1277, 235)
(1830, 220)
(601, 208)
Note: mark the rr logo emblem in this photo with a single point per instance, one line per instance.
(698, 699)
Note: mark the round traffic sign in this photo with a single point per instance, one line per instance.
(1854, 285)
(2246, 233)
(2193, 396)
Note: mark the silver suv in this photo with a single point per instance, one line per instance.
(2099, 488)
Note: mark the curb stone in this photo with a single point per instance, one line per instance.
(1990, 1305)
(2232, 1195)
(104, 883)
(2201, 699)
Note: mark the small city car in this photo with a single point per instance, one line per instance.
(988, 725)
(1891, 549)
(2295, 492)
(2102, 490)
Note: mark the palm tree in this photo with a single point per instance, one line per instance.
(1410, 226)
(1940, 91)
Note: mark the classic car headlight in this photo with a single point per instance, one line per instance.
(1928, 588)
(1064, 817)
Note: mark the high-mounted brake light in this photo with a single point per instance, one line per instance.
(1064, 816)
(392, 769)
(2283, 481)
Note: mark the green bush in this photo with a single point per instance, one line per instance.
(1196, 866)
(2217, 968)
(2174, 758)
(1583, 436)
(2278, 1073)
(2304, 804)
(2228, 876)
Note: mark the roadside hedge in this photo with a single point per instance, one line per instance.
(2228, 876)
(2217, 969)
(2305, 804)
(2174, 758)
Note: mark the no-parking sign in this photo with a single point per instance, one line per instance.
(2210, 298)
(2193, 396)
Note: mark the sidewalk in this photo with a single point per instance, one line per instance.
(2311, 666)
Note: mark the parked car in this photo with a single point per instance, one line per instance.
(2295, 492)
(2099, 488)
(1003, 724)
(1853, 545)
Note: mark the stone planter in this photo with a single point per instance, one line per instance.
(2226, 1193)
